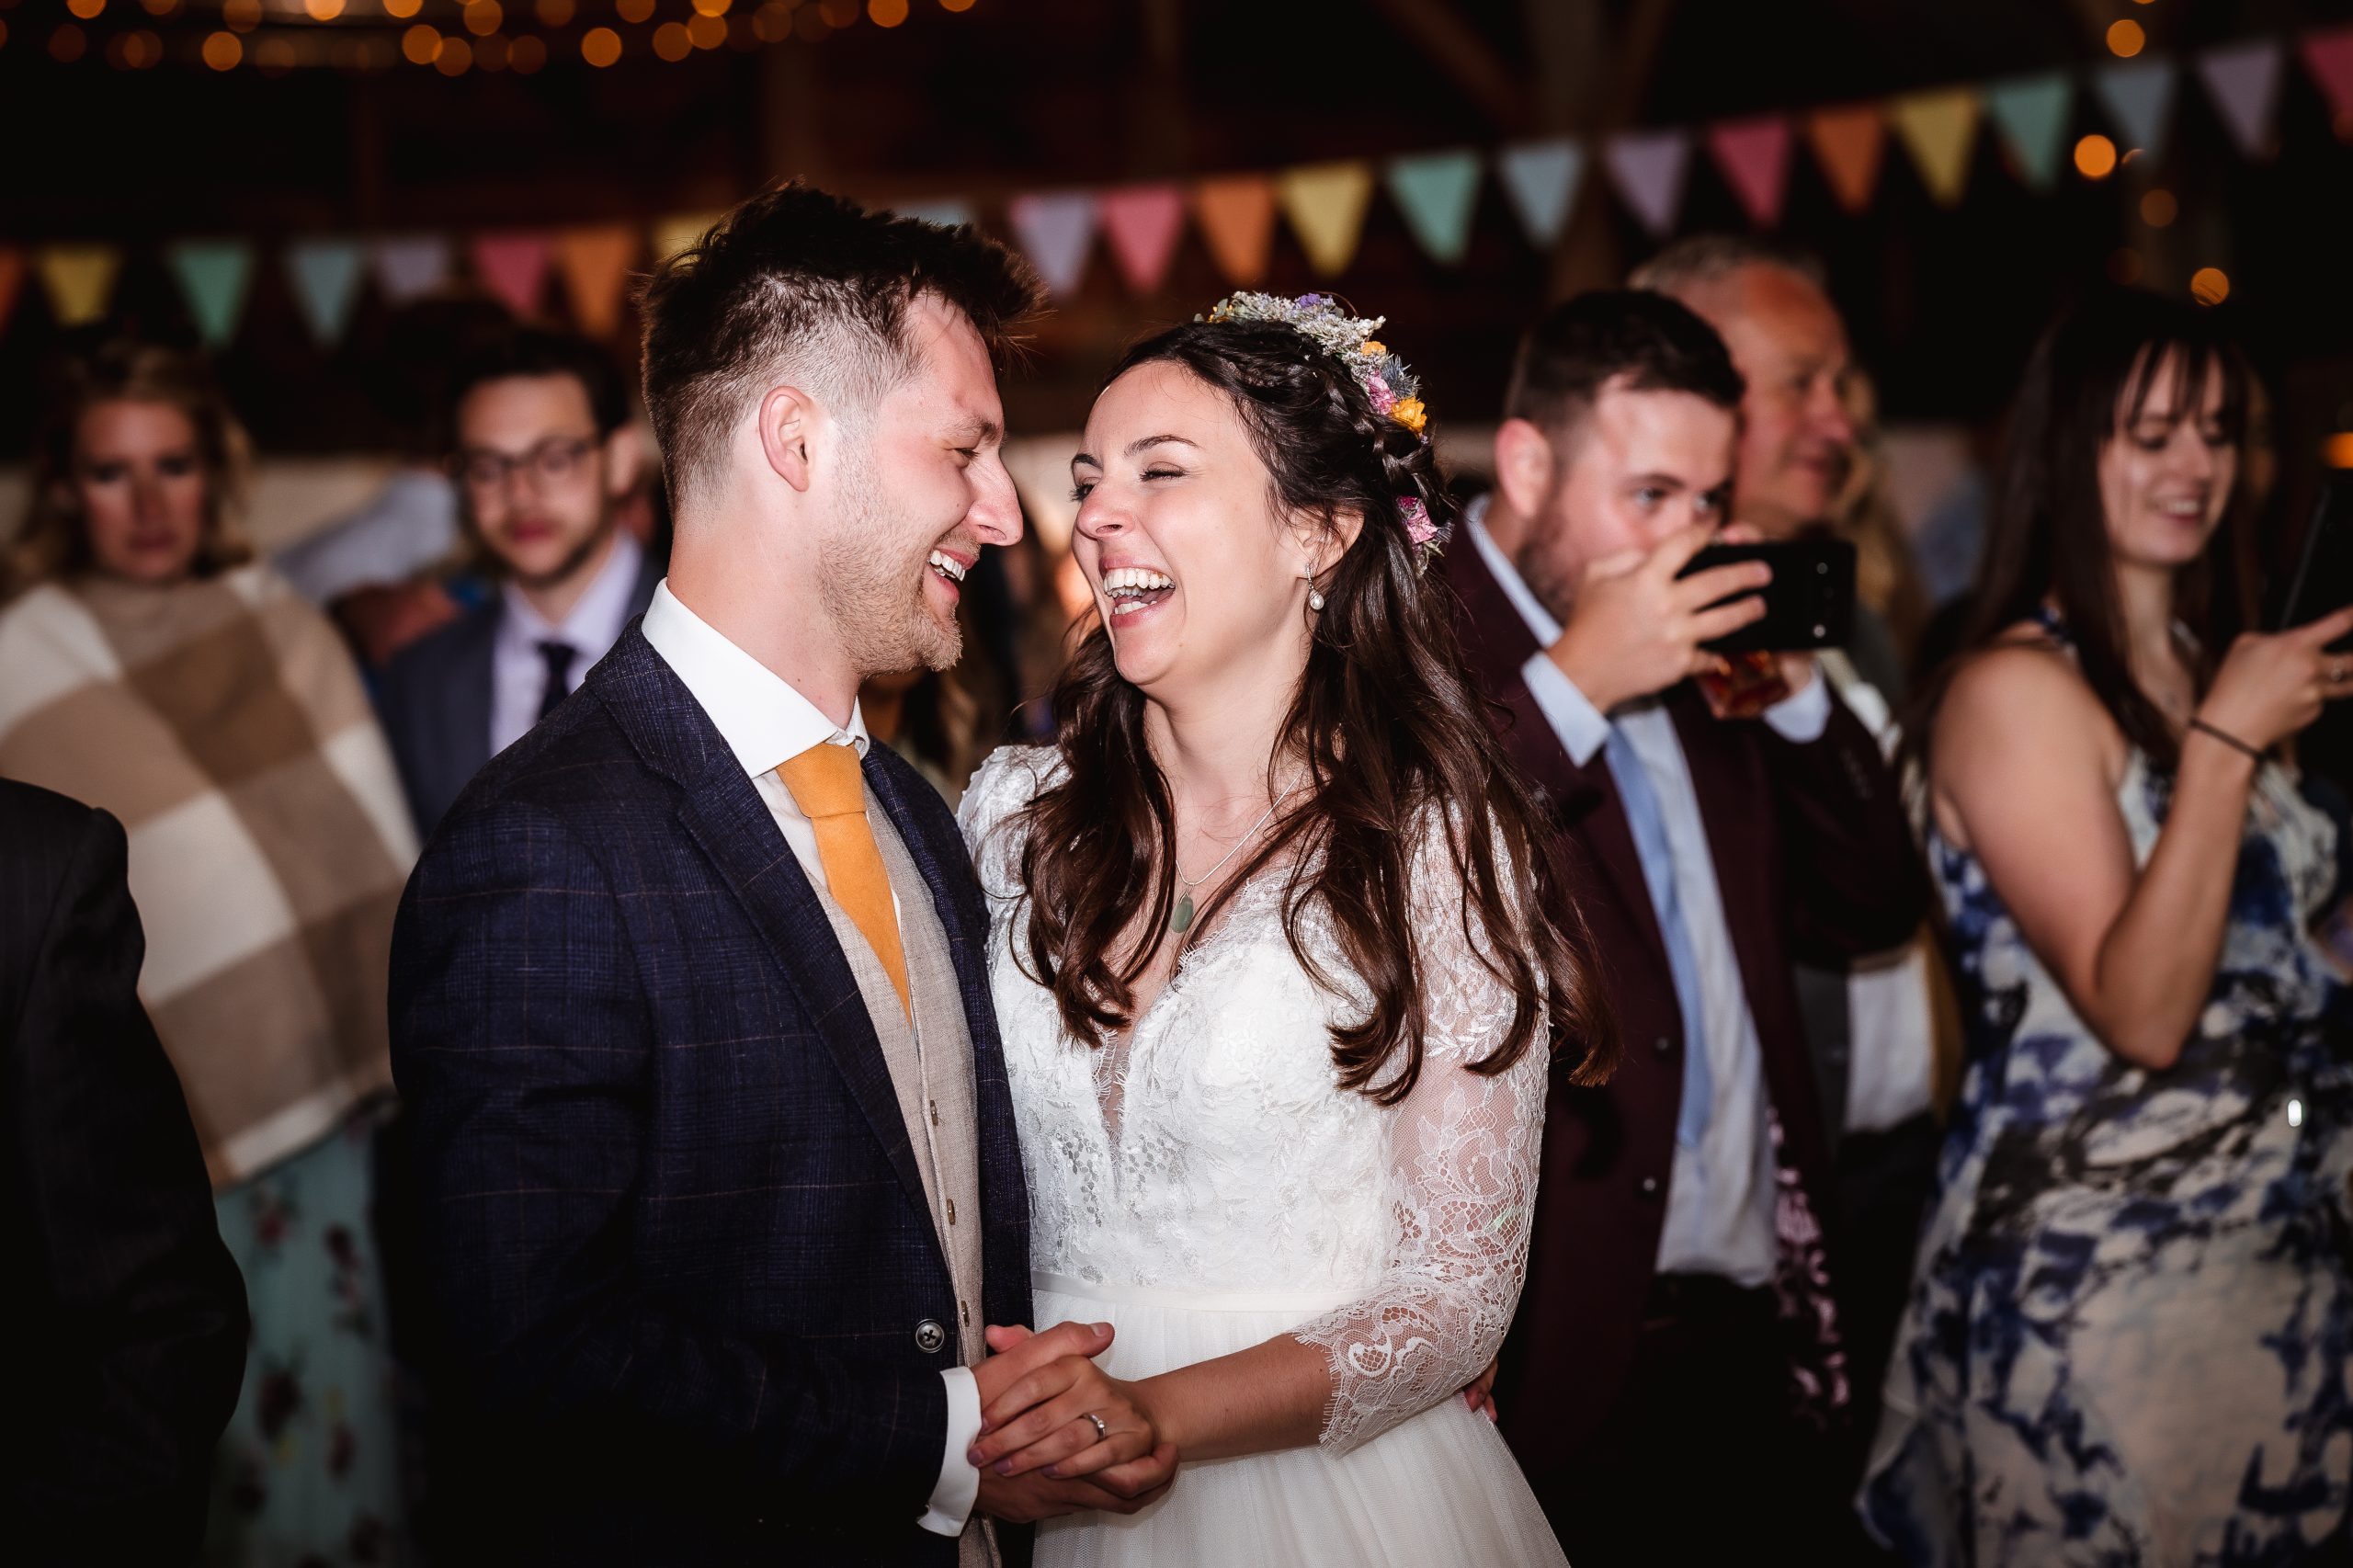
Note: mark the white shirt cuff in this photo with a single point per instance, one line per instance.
(1583, 728)
(959, 1483)
(1804, 714)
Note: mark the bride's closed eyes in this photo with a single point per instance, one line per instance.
(1080, 490)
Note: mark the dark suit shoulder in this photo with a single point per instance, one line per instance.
(431, 660)
(41, 831)
(577, 763)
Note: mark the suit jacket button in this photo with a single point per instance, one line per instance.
(1650, 1186)
(1662, 1045)
(929, 1337)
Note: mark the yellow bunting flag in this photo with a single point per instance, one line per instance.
(12, 279)
(673, 234)
(1848, 142)
(595, 264)
(1940, 128)
(80, 280)
(1325, 203)
(1237, 219)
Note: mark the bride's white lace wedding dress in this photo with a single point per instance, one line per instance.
(1206, 1185)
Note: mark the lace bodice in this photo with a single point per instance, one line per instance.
(1240, 1165)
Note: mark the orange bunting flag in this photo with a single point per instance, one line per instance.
(595, 264)
(1325, 203)
(1848, 143)
(80, 280)
(1237, 219)
(12, 279)
(1940, 130)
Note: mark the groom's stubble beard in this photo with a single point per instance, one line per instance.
(869, 578)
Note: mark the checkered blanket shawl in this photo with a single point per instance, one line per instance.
(222, 720)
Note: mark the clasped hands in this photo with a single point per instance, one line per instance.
(1037, 1453)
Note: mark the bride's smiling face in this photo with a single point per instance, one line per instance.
(1196, 572)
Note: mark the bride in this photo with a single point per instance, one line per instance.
(1277, 988)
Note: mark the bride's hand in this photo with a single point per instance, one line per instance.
(1041, 1422)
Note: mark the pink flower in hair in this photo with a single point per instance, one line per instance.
(1383, 399)
(1419, 527)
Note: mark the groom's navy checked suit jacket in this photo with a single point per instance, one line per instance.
(678, 1238)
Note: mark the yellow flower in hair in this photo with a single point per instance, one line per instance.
(1410, 413)
(1372, 347)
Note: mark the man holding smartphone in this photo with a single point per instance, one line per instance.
(1676, 1321)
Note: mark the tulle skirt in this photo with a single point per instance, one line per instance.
(1438, 1488)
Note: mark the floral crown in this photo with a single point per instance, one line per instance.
(1393, 390)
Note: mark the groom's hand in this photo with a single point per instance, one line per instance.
(1025, 1499)
(1020, 1353)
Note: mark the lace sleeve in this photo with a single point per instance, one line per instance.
(1008, 781)
(1462, 1166)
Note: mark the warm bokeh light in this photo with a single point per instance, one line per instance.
(712, 8)
(600, 46)
(403, 9)
(2126, 39)
(274, 56)
(2210, 286)
(553, 13)
(490, 54)
(2338, 450)
(3, 32)
(2124, 267)
(708, 32)
(773, 22)
(955, 5)
(810, 22)
(160, 7)
(2096, 156)
(323, 10)
(222, 51)
(134, 50)
(671, 42)
(457, 55)
(483, 17)
(421, 45)
(526, 55)
(68, 44)
(887, 13)
(88, 10)
(241, 16)
(2158, 208)
(634, 10)
(838, 13)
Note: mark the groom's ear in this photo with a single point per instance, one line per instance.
(787, 418)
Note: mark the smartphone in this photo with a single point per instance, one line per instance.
(2324, 581)
(1810, 603)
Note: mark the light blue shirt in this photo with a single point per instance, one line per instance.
(1721, 1194)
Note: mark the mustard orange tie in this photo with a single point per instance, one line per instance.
(830, 790)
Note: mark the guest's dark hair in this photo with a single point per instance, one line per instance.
(1393, 741)
(537, 351)
(1635, 339)
(2085, 385)
(801, 282)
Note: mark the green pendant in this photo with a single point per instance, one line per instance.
(1184, 915)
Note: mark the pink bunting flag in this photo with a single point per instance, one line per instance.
(1144, 223)
(1754, 156)
(514, 265)
(1648, 166)
(1055, 230)
(2328, 56)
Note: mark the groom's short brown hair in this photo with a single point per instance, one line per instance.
(800, 283)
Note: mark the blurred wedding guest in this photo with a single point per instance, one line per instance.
(1804, 469)
(155, 671)
(933, 722)
(124, 1317)
(1675, 1322)
(543, 454)
(1887, 578)
(2128, 1339)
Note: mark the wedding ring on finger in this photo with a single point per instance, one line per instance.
(1102, 1433)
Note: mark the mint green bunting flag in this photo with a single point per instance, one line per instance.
(2031, 114)
(325, 275)
(2139, 95)
(215, 275)
(1436, 192)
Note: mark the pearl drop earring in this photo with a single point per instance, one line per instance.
(1315, 598)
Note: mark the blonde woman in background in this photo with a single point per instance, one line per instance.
(148, 665)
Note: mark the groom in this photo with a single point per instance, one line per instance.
(689, 1002)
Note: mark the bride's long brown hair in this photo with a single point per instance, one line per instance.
(1392, 739)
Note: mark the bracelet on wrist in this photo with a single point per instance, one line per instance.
(2228, 739)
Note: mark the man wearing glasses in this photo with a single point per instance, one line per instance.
(543, 453)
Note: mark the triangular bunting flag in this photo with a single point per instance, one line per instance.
(1939, 128)
(949, 213)
(2139, 95)
(1326, 204)
(2328, 56)
(1754, 156)
(80, 281)
(514, 266)
(325, 275)
(1144, 223)
(2032, 113)
(214, 275)
(411, 266)
(1647, 168)
(1541, 178)
(1055, 230)
(1848, 142)
(1436, 192)
(12, 279)
(2244, 81)
(670, 235)
(1237, 219)
(594, 263)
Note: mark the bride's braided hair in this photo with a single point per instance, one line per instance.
(1393, 739)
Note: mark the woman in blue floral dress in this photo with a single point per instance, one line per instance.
(2132, 1312)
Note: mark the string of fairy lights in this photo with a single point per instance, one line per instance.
(451, 36)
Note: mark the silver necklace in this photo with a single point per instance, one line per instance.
(1182, 919)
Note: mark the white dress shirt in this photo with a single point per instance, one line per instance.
(766, 722)
(519, 674)
(1721, 1194)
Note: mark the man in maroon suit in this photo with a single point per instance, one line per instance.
(1675, 1363)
